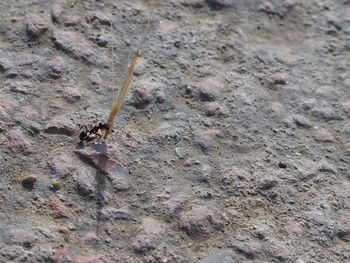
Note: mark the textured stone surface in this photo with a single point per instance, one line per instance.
(62, 166)
(77, 46)
(18, 143)
(150, 234)
(59, 210)
(232, 143)
(220, 257)
(36, 25)
(199, 222)
(60, 125)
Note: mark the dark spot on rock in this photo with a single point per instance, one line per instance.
(282, 165)
(28, 181)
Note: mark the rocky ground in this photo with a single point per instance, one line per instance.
(232, 145)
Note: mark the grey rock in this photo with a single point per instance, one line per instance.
(72, 94)
(30, 126)
(193, 3)
(143, 95)
(207, 139)
(209, 89)
(220, 257)
(327, 167)
(57, 67)
(5, 64)
(60, 125)
(267, 183)
(62, 166)
(327, 92)
(22, 87)
(345, 106)
(18, 143)
(98, 17)
(59, 210)
(85, 181)
(199, 222)
(302, 121)
(57, 10)
(250, 248)
(112, 213)
(326, 113)
(36, 25)
(323, 135)
(219, 4)
(278, 250)
(342, 226)
(76, 45)
(173, 206)
(149, 237)
(216, 109)
(21, 237)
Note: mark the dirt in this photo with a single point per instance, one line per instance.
(232, 144)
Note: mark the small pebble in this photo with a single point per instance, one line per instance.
(18, 143)
(209, 89)
(327, 92)
(199, 222)
(55, 185)
(207, 138)
(59, 210)
(149, 236)
(62, 166)
(60, 125)
(36, 26)
(282, 165)
(78, 47)
(323, 135)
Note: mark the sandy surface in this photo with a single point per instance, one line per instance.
(232, 145)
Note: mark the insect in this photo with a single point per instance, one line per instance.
(102, 130)
(93, 133)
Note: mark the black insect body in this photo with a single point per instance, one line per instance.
(93, 133)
